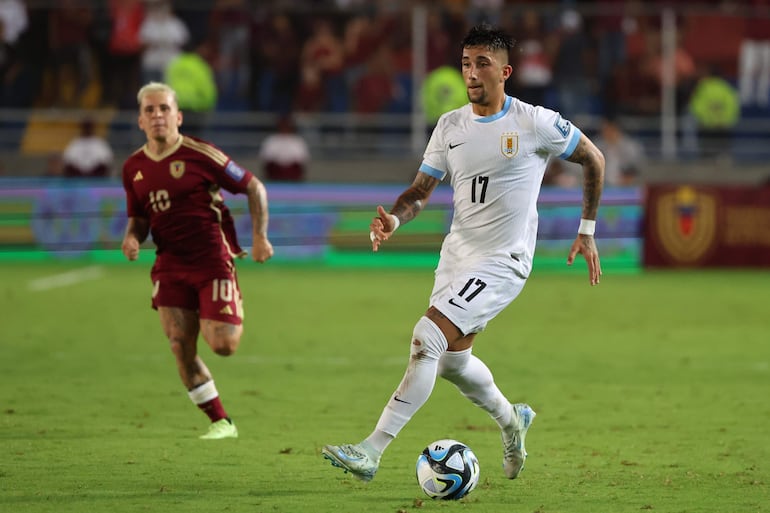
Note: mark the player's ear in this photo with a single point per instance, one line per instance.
(507, 71)
(179, 118)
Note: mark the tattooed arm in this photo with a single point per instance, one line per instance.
(406, 208)
(592, 160)
(262, 249)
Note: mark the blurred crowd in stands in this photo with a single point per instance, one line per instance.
(602, 57)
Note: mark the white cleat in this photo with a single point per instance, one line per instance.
(514, 453)
(352, 458)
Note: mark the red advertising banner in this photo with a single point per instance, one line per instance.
(707, 226)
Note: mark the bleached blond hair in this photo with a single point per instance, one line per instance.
(155, 87)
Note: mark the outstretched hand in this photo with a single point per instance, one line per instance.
(381, 227)
(586, 245)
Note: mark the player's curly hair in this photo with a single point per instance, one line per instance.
(487, 36)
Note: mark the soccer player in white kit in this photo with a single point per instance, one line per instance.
(494, 151)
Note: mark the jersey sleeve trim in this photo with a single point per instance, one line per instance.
(573, 142)
(432, 171)
(206, 149)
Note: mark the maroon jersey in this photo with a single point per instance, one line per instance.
(179, 193)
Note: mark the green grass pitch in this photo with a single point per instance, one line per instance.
(652, 392)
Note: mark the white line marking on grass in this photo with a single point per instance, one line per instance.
(65, 279)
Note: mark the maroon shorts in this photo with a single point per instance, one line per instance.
(212, 292)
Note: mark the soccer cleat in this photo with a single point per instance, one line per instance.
(223, 428)
(352, 458)
(514, 453)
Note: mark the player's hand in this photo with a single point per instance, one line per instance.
(262, 249)
(130, 248)
(586, 245)
(381, 228)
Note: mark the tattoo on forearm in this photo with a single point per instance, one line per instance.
(258, 207)
(408, 205)
(413, 200)
(592, 160)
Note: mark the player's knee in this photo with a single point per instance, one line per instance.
(428, 341)
(225, 345)
(223, 338)
(180, 346)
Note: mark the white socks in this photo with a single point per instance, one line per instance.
(474, 380)
(203, 393)
(428, 344)
(429, 357)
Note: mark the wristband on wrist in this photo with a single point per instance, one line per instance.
(587, 227)
(396, 222)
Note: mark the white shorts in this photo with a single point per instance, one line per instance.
(472, 293)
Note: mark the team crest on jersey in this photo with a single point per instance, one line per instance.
(509, 144)
(176, 168)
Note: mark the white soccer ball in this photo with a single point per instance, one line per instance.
(447, 469)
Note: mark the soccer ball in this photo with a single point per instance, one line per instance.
(447, 469)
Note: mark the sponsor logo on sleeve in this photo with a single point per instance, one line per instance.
(563, 126)
(234, 171)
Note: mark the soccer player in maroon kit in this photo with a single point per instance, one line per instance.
(173, 191)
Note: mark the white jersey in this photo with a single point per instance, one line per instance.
(495, 165)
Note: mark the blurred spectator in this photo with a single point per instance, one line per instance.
(323, 58)
(9, 67)
(440, 50)
(192, 77)
(485, 11)
(643, 80)
(230, 33)
(443, 89)
(87, 155)
(609, 28)
(163, 35)
(623, 156)
(285, 154)
(375, 89)
(363, 36)
(275, 64)
(13, 22)
(754, 59)
(24, 79)
(196, 16)
(13, 18)
(121, 63)
(573, 65)
(70, 55)
(715, 104)
(532, 67)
